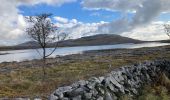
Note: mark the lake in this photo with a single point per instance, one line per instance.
(30, 54)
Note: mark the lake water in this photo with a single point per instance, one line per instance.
(21, 55)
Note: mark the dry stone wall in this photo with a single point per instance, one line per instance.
(125, 80)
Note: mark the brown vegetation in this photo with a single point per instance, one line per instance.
(24, 79)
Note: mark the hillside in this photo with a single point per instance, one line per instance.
(29, 43)
(102, 39)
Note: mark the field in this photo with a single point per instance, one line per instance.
(24, 79)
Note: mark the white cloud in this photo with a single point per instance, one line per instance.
(60, 19)
(139, 27)
(95, 14)
(153, 31)
(112, 5)
(124, 5)
(144, 11)
(12, 23)
(77, 29)
(50, 2)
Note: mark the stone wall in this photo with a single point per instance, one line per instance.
(126, 80)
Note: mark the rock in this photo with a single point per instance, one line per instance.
(100, 89)
(88, 95)
(65, 98)
(38, 99)
(79, 83)
(113, 81)
(76, 92)
(53, 97)
(22, 99)
(101, 79)
(108, 96)
(118, 76)
(60, 91)
(112, 88)
(127, 80)
(77, 98)
(100, 98)
(92, 82)
(134, 91)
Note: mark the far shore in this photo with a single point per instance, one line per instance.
(9, 48)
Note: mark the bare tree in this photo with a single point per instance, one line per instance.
(43, 31)
(167, 29)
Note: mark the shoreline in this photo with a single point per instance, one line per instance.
(84, 52)
(10, 48)
(92, 52)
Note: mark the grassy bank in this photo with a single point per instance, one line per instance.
(24, 79)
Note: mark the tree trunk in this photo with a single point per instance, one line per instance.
(44, 63)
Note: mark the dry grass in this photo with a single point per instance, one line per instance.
(158, 91)
(27, 82)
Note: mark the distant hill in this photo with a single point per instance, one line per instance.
(29, 43)
(102, 39)
(165, 41)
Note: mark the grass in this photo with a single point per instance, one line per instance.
(160, 90)
(27, 81)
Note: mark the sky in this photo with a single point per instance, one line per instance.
(138, 19)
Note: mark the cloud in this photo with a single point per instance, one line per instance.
(152, 31)
(112, 5)
(144, 13)
(124, 5)
(60, 19)
(77, 29)
(12, 23)
(139, 26)
(95, 14)
(50, 2)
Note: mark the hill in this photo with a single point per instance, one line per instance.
(102, 39)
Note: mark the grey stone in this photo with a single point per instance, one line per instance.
(94, 92)
(77, 98)
(22, 99)
(59, 92)
(112, 88)
(134, 91)
(101, 79)
(53, 97)
(100, 89)
(79, 83)
(108, 96)
(37, 99)
(112, 79)
(65, 98)
(88, 95)
(100, 98)
(92, 82)
(126, 80)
